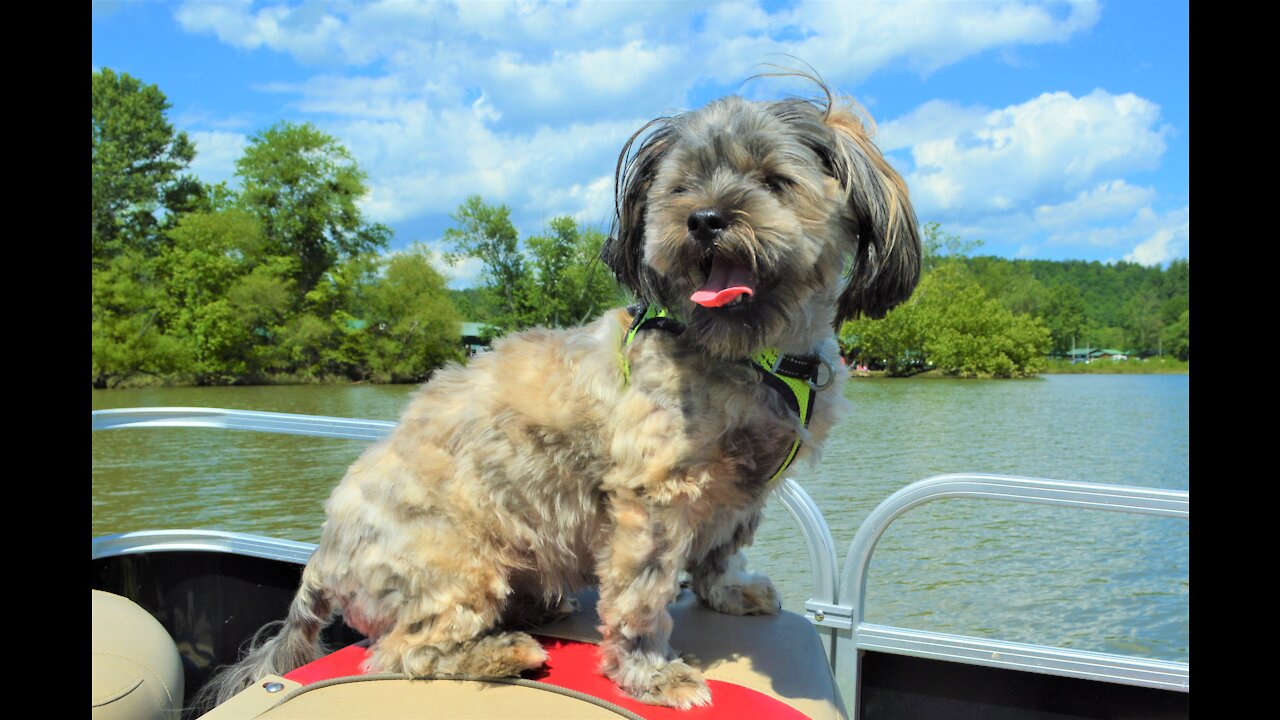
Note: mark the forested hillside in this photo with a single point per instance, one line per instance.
(983, 315)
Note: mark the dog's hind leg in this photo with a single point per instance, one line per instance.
(497, 654)
(455, 630)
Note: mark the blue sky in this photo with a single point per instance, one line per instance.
(1056, 130)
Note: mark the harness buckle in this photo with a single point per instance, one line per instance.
(831, 375)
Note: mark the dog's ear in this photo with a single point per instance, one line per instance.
(887, 253)
(623, 252)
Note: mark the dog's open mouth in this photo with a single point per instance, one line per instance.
(729, 284)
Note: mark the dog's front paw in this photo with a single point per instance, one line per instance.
(675, 684)
(744, 594)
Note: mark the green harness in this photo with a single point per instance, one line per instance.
(795, 379)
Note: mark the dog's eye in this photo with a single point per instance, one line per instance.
(776, 183)
(678, 190)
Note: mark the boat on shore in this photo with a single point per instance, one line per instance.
(170, 605)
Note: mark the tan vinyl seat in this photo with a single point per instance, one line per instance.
(778, 655)
(137, 674)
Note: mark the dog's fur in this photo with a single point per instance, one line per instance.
(539, 469)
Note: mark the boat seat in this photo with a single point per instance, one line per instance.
(762, 666)
(137, 674)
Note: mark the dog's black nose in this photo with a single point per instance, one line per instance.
(706, 223)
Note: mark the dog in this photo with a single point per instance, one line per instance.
(634, 449)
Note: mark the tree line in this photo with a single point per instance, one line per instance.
(284, 280)
(991, 316)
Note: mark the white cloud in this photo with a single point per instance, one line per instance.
(528, 104)
(590, 59)
(1171, 239)
(1143, 234)
(464, 273)
(1107, 200)
(852, 40)
(441, 159)
(932, 120)
(216, 154)
(306, 30)
(1041, 152)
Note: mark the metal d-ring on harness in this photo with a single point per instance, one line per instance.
(794, 378)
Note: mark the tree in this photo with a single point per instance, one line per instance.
(137, 160)
(302, 184)
(1009, 281)
(573, 285)
(486, 233)
(1142, 320)
(1176, 337)
(938, 247)
(970, 334)
(411, 325)
(896, 341)
(952, 325)
(1063, 313)
(211, 257)
(128, 338)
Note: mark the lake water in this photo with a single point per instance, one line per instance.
(1073, 578)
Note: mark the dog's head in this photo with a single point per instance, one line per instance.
(762, 224)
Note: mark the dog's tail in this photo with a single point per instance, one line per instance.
(297, 644)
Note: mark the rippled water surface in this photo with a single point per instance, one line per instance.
(1075, 578)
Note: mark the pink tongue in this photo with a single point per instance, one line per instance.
(726, 282)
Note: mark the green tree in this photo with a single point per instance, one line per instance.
(265, 298)
(970, 334)
(1176, 337)
(952, 325)
(303, 186)
(572, 284)
(128, 338)
(137, 162)
(1143, 322)
(412, 328)
(938, 247)
(473, 303)
(896, 341)
(486, 233)
(211, 257)
(1011, 282)
(1063, 313)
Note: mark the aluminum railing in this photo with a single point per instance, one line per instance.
(838, 600)
(849, 632)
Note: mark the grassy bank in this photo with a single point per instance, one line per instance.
(137, 382)
(1150, 366)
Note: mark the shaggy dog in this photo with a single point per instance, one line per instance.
(634, 449)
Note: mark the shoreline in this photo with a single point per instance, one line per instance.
(939, 375)
(1161, 368)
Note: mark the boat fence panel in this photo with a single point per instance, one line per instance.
(273, 422)
(148, 541)
(851, 634)
(822, 554)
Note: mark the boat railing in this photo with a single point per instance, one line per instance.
(838, 598)
(849, 633)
